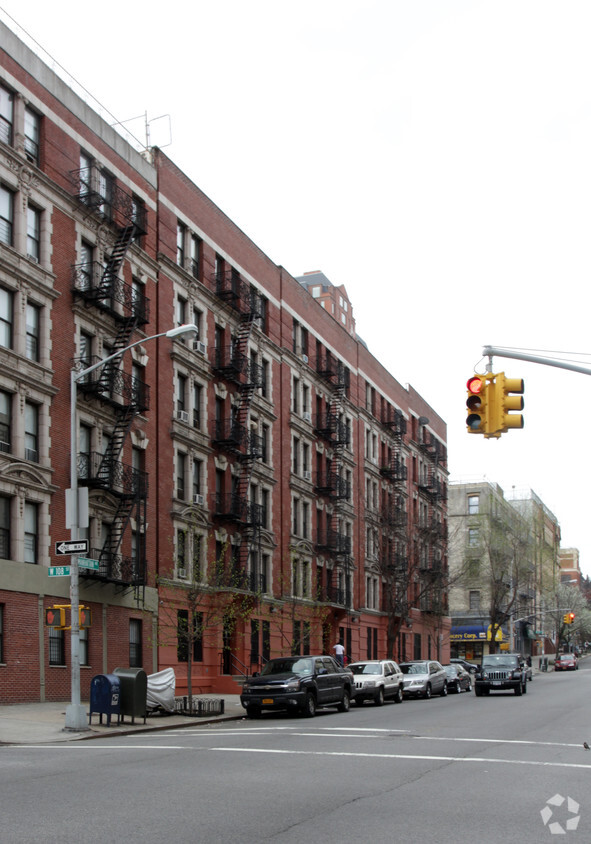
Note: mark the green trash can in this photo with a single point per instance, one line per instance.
(134, 691)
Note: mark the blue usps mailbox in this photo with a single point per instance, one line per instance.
(105, 697)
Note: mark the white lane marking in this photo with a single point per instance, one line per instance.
(402, 756)
(501, 741)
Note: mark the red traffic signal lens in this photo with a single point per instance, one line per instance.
(475, 384)
(571, 615)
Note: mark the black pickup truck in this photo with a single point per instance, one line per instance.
(300, 684)
(501, 672)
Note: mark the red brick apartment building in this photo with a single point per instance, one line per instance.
(263, 487)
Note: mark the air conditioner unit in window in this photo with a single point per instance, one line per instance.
(33, 258)
(200, 346)
(305, 358)
(307, 475)
(182, 573)
(198, 499)
(182, 415)
(307, 416)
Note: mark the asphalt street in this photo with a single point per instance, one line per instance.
(461, 768)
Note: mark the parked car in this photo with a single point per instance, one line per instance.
(423, 678)
(458, 679)
(377, 680)
(298, 684)
(471, 667)
(566, 662)
(500, 672)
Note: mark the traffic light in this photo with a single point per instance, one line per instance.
(504, 402)
(476, 403)
(55, 617)
(84, 617)
(568, 618)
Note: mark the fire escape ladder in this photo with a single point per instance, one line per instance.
(250, 534)
(115, 260)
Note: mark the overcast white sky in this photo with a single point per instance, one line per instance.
(433, 156)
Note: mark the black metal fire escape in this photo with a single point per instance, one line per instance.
(433, 490)
(233, 435)
(331, 483)
(394, 515)
(101, 286)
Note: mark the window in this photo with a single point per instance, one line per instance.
(181, 392)
(138, 298)
(2, 634)
(83, 647)
(32, 135)
(473, 504)
(57, 650)
(85, 178)
(84, 441)
(195, 257)
(33, 233)
(474, 599)
(265, 379)
(6, 318)
(138, 217)
(6, 115)
(184, 637)
(181, 463)
(135, 643)
(181, 311)
(105, 186)
(6, 215)
(180, 245)
(316, 292)
(197, 473)
(31, 432)
(32, 320)
(4, 527)
(197, 400)
(5, 421)
(31, 532)
(265, 444)
(181, 552)
(472, 537)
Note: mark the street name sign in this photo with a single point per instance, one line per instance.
(85, 563)
(59, 571)
(72, 546)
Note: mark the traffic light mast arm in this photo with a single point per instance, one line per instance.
(497, 351)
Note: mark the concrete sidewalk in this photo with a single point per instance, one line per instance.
(42, 723)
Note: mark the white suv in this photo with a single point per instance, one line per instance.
(376, 679)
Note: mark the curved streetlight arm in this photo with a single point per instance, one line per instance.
(172, 332)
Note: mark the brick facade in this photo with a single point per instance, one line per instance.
(268, 477)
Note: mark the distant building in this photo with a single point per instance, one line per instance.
(570, 569)
(333, 299)
(503, 554)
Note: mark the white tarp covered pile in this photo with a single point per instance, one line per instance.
(161, 687)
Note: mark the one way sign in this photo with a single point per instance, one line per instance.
(71, 546)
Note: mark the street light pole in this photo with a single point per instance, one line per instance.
(75, 712)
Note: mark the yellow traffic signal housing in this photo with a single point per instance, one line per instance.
(84, 617)
(55, 617)
(506, 402)
(476, 404)
(568, 618)
(491, 400)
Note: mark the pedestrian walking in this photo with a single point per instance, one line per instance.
(339, 653)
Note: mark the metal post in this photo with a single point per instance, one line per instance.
(75, 712)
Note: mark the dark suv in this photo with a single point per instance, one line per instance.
(500, 672)
(300, 684)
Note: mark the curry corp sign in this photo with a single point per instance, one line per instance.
(474, 634)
